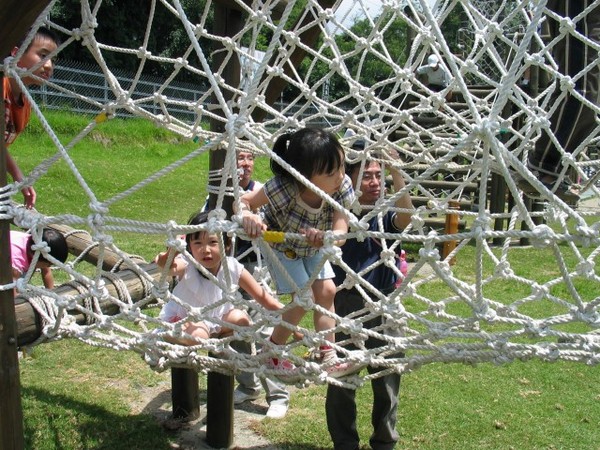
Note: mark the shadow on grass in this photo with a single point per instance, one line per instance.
(53, 421)
(192, 435)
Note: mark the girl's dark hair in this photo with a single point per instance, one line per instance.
(198, 219)
(57, 243)
(311, 151)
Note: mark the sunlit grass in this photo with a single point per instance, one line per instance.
(78, 397)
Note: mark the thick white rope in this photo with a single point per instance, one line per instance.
(481, 138)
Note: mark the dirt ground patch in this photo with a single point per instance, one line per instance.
(156, 401)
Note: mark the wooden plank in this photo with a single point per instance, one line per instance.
(17, 19)
(309, 38)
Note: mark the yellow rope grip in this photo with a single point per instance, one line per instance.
(274, 236)
(101, 117)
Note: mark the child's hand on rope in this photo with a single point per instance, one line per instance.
(161, 259)
(314, 237)
(177, 263)
(253, 224)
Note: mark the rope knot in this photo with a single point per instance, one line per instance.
(177, 243)
(42, 246)
(304, 299)
(587, 234)
(389, 257)
(543, 235)
(487, 127)
(160, 290)
(567, 84)
(143, 53)
(504, 270)
(586, 269)
(431, 254)
(98, 290)
(567, 26)
(21, 284)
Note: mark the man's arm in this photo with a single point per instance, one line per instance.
(401, 219)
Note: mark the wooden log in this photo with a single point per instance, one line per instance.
(29, 326)
(80, 242)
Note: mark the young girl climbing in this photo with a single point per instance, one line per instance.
(196, 289)
(289, 205)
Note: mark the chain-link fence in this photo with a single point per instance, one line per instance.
(84, 89)
(81, 87)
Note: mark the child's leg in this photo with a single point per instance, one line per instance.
(199, 330)
(292, 316)
(324, 293)
(235, 317)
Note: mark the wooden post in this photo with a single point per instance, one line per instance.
(219, 405)
(451, 227)
(14, 23)
(184, 393)
(185, 390)
(11, 411)
(308, 37)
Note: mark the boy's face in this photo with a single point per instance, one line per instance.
(40, 47)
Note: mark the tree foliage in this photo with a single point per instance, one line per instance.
(123, 24)
(361, 51)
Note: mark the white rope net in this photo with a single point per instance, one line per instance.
(483, 309)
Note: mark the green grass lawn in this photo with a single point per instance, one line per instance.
(78, 397)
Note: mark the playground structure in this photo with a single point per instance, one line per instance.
(481, 139)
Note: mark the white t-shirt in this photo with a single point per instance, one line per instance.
(439, 77)
(198, 291)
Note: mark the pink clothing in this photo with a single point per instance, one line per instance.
(18, 251)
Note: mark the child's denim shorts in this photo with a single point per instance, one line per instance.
(299, 270)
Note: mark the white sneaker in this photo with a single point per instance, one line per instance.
(277, 411)
(241, 396)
